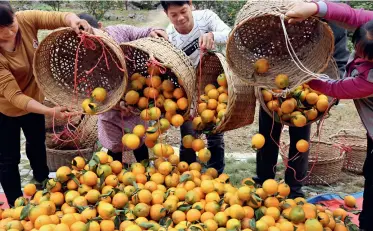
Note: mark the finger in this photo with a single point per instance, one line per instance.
(200, 41)
(155, 34)
(76, 29)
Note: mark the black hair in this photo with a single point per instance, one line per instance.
(90, 19)
(363, 40)
(6, 14)
(167, 4)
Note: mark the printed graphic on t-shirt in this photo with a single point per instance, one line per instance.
(191, 47)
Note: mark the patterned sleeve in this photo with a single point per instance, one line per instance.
(217, 27)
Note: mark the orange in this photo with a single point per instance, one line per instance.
(209, 87)
(312, 98)
(193, 215)
(178, 216)
(90, 178)
(177, 120)
(204, 155)
(283, 189)
(207, 116)
(340, 213)
(156, 212)
(299, 120)
(29, 189)
(167, 85)
(282, 81)
(267, 96)
(257, 141)
(302, 146)
(132, 97)
(178, 93)
(131, 141)
(165, 168)
(154, 113)
(311, 114)
(145, 115)
(213, 94)
(136, 85)
(212, 104)
(154, 81)
(322, 105)
(187, 141)
(270, 187)
(198, 144)
(116, 167)
(197, 123)
(222, 80)
(350, 201)
(139, 130)
(182, 103)
(273, 105)
(107, 225)
(62, 173)
(261, 66)
(143, 103)
(287, 106)
(152, 93)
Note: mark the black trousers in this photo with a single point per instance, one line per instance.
(367, 213)
(266, 157)
(140, 154)
(33, 127)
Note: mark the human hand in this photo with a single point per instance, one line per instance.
(158, 33)
(78, 25)
(206, 41)
(62, 113)
(301, 11)
(125, 109)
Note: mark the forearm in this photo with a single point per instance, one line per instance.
(34, 106)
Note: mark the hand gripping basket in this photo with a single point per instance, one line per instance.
(141, 51)
(258, 33)
(100, 63)
(241, 103)
(355, 147)
(332, 71)
(325, 163)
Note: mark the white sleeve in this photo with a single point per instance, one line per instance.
(219, 29)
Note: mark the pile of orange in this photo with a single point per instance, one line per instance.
(212, 105)
(299, 107)
(167, 195)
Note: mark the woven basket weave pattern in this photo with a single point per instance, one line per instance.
(258, 34)
(241, 103)
(138, 53)
(54, 66)
(58, 158)
(327, 162)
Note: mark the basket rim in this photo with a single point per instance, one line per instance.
(108, 42)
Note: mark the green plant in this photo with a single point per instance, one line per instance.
(99, 8)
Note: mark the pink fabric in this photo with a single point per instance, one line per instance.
(343, 13)
(356, 87)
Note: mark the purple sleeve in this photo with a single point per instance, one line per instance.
(347, 88)
(345, 14)
(127, 33)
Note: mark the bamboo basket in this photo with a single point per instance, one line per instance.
(355, 147)
(139, 52)
(241, 103)
(57, 158)
(258, 33)
(327, 165)
(54, 68)
(332, 71)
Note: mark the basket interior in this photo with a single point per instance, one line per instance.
(263, 37)
(56, 62)
(137, 62)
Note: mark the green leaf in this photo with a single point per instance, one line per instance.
(276, 117)
(152, 131)
(146, 225)
(221, 202)
(45, 191)
(106, 195)
(73, 177)
(168, 223)
(252, 224)
(286, 206)
(184, 178)
(97, 219)
(135, 185)
(162, 221)
(258, 214)
(117, 222)
(249, 183)
(102, 179)
(184, 207)
(198, 207)
(145, 163)
(25, 211)
(92, 163)
(163, 210)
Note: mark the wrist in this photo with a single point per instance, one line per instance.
(49, 111)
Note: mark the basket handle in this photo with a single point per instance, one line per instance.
(346, 132)
(156, 62)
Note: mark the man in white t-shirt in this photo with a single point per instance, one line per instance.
(192, 31)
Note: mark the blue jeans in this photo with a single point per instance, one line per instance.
(215, 145)
(266, 157)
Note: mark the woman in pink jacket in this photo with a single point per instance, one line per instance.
(358, 81)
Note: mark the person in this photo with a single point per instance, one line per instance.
(192, 31)
(266, 157)
(358, 81)
(111, 123)
(20, 97)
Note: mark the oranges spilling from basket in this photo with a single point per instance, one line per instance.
(90, 105)
(298, 107)
(212, 105)
(167, 194)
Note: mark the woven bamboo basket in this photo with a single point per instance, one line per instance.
(241, 103)
(54, 68)
(258, 33)
(332, 71)
(325, 163)
(355, 147)
(140, 51)
(57, 158)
